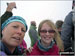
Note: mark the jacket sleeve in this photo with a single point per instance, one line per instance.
(5, 16)
(67, 31)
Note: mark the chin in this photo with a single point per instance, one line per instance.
(14, 44)
(48, 42)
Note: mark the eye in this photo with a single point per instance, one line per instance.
(43, 31)
(15, 26)
(23, 30)
(51, 31)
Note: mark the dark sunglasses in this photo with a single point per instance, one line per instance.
(49, 31)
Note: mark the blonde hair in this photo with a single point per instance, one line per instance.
(56, 35)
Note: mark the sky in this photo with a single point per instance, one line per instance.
(38, 11)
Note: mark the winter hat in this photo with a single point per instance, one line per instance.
(59, 23)
(33, 23)
(13, 19)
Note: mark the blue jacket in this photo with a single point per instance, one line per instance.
(67, 33)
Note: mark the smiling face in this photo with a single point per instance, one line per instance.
(47, 34)
(13, 34)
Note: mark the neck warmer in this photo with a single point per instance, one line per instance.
(41, 47)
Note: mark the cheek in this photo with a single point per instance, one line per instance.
(53, 34)
(42, 35)
(23, 36)
(6, 33)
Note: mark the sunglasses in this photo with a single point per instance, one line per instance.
(49, 31)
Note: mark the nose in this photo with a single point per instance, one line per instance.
(19, 31)
(47, 33)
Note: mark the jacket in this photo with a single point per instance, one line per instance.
(36, 51)
(33, 35)
(67, 33)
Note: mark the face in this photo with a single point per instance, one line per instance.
(46, 33)
(59, 30)
(13, 33)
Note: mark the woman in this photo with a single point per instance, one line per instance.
(6, 15)
(13, 31)
(50, 42)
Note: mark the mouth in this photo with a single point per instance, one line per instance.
(16, 38)
(47, 38)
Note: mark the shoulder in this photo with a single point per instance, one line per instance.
(69, 16)
(35, 47)
(55, 47)
(68, 19)
(54, 50)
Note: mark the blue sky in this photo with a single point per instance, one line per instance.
(39, 10)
